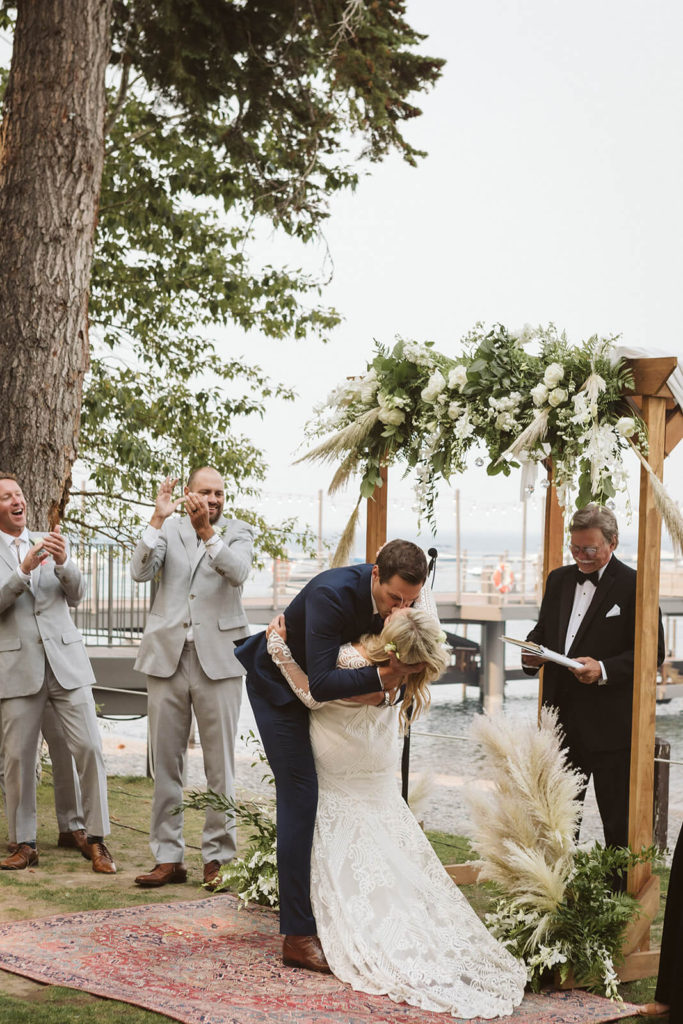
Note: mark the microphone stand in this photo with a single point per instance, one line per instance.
(405, 753)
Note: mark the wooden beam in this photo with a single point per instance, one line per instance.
(650, 374)
(637, 930)
(376, 532)
(674, 430)
(645, 653)
(644, 964)
(553, 545)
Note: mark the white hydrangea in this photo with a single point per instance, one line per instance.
(457, 378)
(523, 334)
(435, 386)
(553, 375)
(368, 387)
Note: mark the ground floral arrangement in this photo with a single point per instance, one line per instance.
(416, 405)
(253, 876)
(555, 907)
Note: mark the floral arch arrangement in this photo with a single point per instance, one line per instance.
(564, 403)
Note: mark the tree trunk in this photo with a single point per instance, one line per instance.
(51, 155)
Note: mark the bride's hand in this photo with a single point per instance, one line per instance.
(277, 625)
(394, 673)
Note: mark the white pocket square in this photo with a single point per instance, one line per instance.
(614, 610)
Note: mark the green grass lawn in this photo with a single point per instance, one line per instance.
(65, 882)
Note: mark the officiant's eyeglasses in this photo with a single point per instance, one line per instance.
(576, 549)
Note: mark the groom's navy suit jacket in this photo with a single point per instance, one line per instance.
(597, 717)
(334, 608)
(331, 610)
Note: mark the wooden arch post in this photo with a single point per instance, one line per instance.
(376, 531)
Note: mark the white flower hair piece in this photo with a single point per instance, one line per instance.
(391, 648)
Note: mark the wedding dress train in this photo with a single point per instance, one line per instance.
(390, 919)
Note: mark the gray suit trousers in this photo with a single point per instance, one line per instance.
(67, 790)
(21, 724)
(216, 704)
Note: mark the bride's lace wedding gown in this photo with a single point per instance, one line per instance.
(390, 919)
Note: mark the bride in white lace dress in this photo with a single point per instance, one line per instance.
(390, 920)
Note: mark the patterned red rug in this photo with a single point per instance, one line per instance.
(211, 961)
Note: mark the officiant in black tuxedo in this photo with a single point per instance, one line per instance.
(588, 612)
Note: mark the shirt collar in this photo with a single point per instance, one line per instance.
(372, 598)
(9, 538)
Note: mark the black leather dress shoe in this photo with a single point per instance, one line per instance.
(304, 951)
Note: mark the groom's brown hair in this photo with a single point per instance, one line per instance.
(402, 558)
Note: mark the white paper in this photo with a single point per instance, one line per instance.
(543, 652)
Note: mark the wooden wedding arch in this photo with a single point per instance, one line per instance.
(663, 417)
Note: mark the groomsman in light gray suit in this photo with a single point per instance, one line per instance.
(43, 661)
(201, 561)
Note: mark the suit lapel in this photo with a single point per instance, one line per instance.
(189, 539)
(602, 592)
(7, 555)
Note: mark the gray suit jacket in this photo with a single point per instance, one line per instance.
(35, 628)
(194, 591)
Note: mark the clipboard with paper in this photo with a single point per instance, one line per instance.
(543, 652)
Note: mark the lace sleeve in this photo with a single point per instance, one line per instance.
(295, 676)
(426, 602)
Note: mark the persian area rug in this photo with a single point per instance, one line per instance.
(213, 961)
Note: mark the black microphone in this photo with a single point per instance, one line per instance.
(431, 565)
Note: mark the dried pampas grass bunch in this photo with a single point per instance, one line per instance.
(524, 828)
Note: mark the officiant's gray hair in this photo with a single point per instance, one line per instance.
(594, 516)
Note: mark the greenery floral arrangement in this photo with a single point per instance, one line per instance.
(563, 403)
(253, 876)
(555, 907)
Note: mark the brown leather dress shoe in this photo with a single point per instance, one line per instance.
(102, 860)
(304, 951)
(12, 847)
(23, 857)
(76, 839)
(163, 874)
(211, 874)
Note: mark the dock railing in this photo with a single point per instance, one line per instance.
(114, 608)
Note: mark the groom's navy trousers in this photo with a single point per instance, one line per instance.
(333, 609)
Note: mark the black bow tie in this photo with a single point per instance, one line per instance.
(581, 577)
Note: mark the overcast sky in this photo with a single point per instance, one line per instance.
(552, 192)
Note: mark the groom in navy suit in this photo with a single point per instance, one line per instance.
(588, 612)
(335, 608)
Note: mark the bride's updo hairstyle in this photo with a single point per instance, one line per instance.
(415, 636)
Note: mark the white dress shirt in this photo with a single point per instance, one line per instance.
(584, 593)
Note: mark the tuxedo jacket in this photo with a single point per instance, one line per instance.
(596, 716)
(334, 608)
(36, 626)
(195, 591)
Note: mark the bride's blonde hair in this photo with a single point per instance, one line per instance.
(415, 636)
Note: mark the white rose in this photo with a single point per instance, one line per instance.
(557, 396)
(626, 426)
(435, 386)
(457, 378)
(553, 375)
(454, 410)
(539, 394)
(391, 416)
